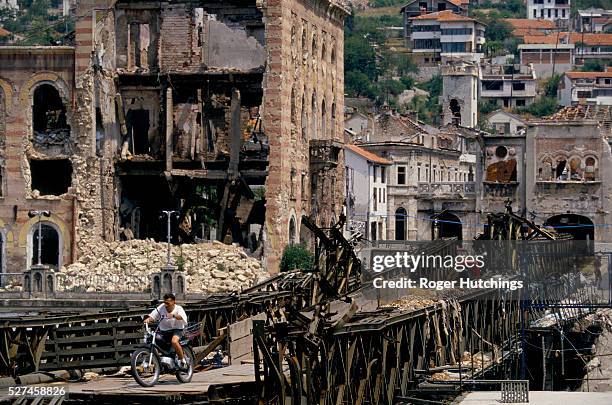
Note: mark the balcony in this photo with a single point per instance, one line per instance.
(447, 190)
(504, 190)
(324, 154)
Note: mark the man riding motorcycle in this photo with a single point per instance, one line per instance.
(172, 321)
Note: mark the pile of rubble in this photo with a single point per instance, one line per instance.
(126, 267)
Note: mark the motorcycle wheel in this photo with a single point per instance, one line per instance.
(185, 376)
(144, 373)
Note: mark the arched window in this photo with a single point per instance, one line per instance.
(304, 46)
(400, 224)
(51, 245)
(455, 111)
(292, 231)
(333, 52)
(575, 168)
(48, 114)
(304, 118)
(589, 168)
(323, 51)
(293, 107)
(323, 120)
(313, 106)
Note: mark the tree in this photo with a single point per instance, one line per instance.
(552, 85)
(593, 65)
(542, 107)
(358, 84)
(359, 56)
(296, 256)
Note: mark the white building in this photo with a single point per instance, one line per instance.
(459, 97)
(586, 88)
(366, 192)
(505, 123)
(553, 10)
(442, 36)
(593, 20)
(359, 124)
(9, 3)
(508, 85)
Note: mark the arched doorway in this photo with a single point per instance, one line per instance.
(292, 231)
(50, 245)
(579, 226)
(400, 224)
(446, 225)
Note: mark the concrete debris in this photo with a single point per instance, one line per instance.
(410, 303)
(88, 376)
(442, 376)
(126, 266)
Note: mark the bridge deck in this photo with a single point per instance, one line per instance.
(110, 388)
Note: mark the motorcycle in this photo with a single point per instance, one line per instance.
(157, 356)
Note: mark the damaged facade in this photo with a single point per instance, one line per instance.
(228, 113)
(431, 184)
(555, 172)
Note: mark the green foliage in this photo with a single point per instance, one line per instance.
(358, 84)
(407, 81)
(428, 108)
(179, 261)
(593, 65)
(497, 30)
(542, 107)
(486, 107)
(34, 24)
(551, 86)
(260, 193)
(505, 9)
(433, 86)
(385, 3)
(390, 87)
(359, 56)
(296, 256)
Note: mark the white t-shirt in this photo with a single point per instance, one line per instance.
(169, 323)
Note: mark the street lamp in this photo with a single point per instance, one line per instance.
(39, 214)
(168, 214)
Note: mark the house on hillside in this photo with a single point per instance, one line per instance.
(551, 10)
(586, 88)
(522, 27)
(438, 37)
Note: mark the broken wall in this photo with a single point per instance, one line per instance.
(22, 71)
(303, 97)
(567, 149)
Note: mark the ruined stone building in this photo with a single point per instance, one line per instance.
(431, 184)
(229, 113)
(556, 172)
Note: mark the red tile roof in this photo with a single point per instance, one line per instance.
(588, 75)
(572, 38)
(446, 15)
(4, 33)
(368, 155)
(526, 23)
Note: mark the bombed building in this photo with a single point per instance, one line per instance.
(228, 113)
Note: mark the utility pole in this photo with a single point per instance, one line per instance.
(39, 214)
(168, 214)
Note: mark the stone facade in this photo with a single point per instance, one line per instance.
(156, 103)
